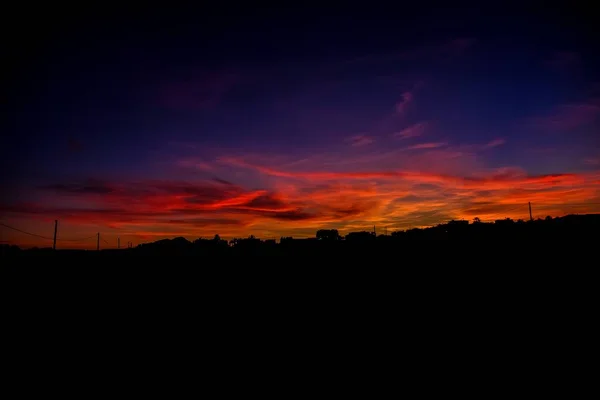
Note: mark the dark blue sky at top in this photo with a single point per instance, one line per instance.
(98, 93)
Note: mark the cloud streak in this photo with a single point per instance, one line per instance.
(394, 181)
(360, 140)
(429, 145)
(493, 143)
(412, 131)
(290, 198)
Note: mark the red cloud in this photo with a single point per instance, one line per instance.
(296, 198)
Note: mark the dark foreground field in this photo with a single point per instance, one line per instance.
(502, 278)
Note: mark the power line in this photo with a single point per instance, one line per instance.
(77, 240)
(27, 233)
(45, 237)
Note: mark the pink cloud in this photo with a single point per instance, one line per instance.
(412, 131)
(430, 145)
(294, 195)
(296, 198)
(503, 179)
(493, 143)
(402, 105)
(359, 140)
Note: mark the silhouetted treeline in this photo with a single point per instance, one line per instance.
(504, 238)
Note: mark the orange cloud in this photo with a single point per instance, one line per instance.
(295, 197)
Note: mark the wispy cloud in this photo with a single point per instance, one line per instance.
(359, 140)
(493, 143)
(404, 103)
(412, 131)
(429, 145)
(272, 195)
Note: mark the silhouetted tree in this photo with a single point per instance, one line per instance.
(328, 234)
(360, 236)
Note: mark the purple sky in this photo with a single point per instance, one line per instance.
(150, 125)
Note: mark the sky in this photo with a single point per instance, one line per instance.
(144, 125)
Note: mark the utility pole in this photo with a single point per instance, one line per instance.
(530, 216)
(98, 242)
(374, 231)
(55, 229)
(118, 242)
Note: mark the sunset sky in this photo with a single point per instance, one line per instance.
(146, 126)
